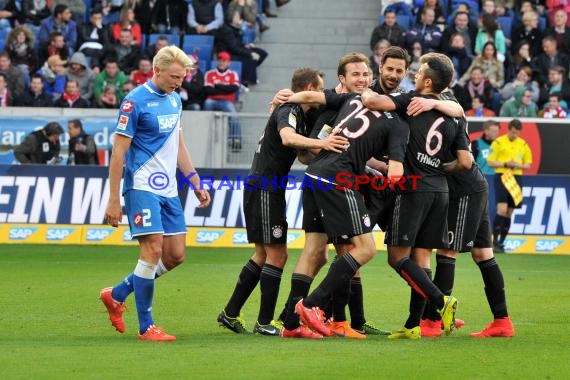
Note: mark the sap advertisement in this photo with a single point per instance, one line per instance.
(74, 199)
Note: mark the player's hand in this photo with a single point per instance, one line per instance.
(512, 164)
(335, 143)
(203, 197)
(419, 105)
(255, 56)
(282, 96)
(114, 213)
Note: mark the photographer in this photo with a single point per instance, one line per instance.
(41, 147)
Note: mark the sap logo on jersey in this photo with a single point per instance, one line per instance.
(240, 238)
(208, 236)
(513, 244)
(167, 122)
(58, 233)
(98, 234)
(21, 233)
(292, 236)
(547, 245)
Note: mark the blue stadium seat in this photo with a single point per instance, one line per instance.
(204, 52)
(506, 24)
(201, 45)
(203, 65)
(542, 23)
(173, 39)
(402, 20)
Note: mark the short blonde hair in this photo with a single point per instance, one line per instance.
(169, 55)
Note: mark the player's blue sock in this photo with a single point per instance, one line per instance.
(144, 289)
(122, 290)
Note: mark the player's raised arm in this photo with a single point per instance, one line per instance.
(308, 97)
(377, 102)
(447, 107)
(334, 143)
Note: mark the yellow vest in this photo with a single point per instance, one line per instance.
(504, 150)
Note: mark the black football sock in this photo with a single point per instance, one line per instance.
(443, 279)
(494, 287)
(417, 306)
(419, 281)
(425, 314)
(341, 271)
(300, 285)
(497, 227)
(269, 282)
(356, 303)
(505, 229)
(340, 300)
(247, 281)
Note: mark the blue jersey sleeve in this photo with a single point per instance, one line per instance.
(127, 121)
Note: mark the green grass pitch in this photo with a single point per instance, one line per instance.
(52, 325)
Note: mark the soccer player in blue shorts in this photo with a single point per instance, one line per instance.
(149, 142)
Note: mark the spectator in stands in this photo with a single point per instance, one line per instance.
(488, 7)
(127, 21)
(477, 85)
(408, 83)
(520, 58)
(560, 31)
(428, 34)
(251, 56)
(244, 14)
(5, 96)
(110, 75)
(389, 30)
(20, 48)
(490, 31)
(523, 78)
(79, 71)
(555, 5)
(557, 82)
(439, 13)
(35, 96)
(55, 46)
(192, 89)
(376, 57)
(472, 14)
(493, 69)
(71, 97)
(77, 8)
(82, 147)
(151, 50)
(169, 16)
(93, 37)
(53, 72)
(528, 31)
(553, 110)
(8, 15)
(111, 10)
(221, 86)
(144, 10)
(549, 58)
(459, 55)
(125, 52)
(205, 17)
(40, 147)
(60, 22)
(108, 98)
(16, 79)
(482, 146)
(144, 71)
(33, 12)
(520, 105)
(460, 26)
(128, 86)
(400, 7)
(478, 108)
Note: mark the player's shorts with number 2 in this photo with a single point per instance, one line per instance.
(149, 213)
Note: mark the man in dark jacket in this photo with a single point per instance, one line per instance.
(40, 147)
(389, 30)
(192, 89)
(82, 147)
(205, 17)
(35, 96)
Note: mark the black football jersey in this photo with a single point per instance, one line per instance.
(434, 137)
(368, 133)
(272, 159)
(469, 181)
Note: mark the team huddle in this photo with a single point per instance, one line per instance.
(356, 128)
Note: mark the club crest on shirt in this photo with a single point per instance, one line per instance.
(127, 106)
(167, 122)
(366, 220)
(123, 121)
(277, 231)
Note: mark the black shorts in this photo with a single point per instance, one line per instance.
(265, 216)
(468, 222)
(379, 204)
(338, 213)
(501, 193)
(419, 220)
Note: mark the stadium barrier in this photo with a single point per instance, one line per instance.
(59, 204)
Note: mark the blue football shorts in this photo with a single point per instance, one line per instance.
(149, 213)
